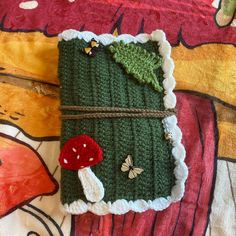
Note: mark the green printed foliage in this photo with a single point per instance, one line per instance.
(138, 62)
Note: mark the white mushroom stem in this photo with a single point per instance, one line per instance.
(92, 186)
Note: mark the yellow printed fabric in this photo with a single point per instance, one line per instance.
(208, 70)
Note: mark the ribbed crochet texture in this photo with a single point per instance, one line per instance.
(100, 81)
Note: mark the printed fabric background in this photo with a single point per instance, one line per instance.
(205, 71)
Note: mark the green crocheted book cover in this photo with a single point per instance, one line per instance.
(101, 81)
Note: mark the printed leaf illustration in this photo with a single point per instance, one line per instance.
(23, 175)
(138, 62)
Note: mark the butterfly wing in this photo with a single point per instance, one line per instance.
(133, 173)
(129, 160)
(88, 50)
(94, 43)
(138, 170)
(127, 164)
(124, 167)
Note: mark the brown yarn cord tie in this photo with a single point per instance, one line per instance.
(114, 112)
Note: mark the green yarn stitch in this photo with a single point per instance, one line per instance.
(100, 81)
(138, 62)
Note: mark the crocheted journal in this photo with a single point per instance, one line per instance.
(120, 144)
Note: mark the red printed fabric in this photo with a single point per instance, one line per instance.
(191, 22)
(189, 216)
(22, 175)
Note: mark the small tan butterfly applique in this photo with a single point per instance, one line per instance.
(128, 166)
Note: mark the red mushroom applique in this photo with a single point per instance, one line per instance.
(79, 153)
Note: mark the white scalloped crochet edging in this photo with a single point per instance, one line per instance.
(122, 206)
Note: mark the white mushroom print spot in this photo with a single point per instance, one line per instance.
(215, 3)
(28, 5)
(80, 153)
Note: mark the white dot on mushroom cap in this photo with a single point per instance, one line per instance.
(71, 0)
(78, 156)
(65, 161)
(84, 145)
(28, 5)
(81, 166)
(91, 159)
(73, 149)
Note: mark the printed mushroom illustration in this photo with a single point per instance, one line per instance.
(80, 153)
(23, 175)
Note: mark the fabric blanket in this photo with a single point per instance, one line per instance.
(205, 71)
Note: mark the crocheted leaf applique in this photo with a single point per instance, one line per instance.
(138, 62)
(79, 153)
(129, 166)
